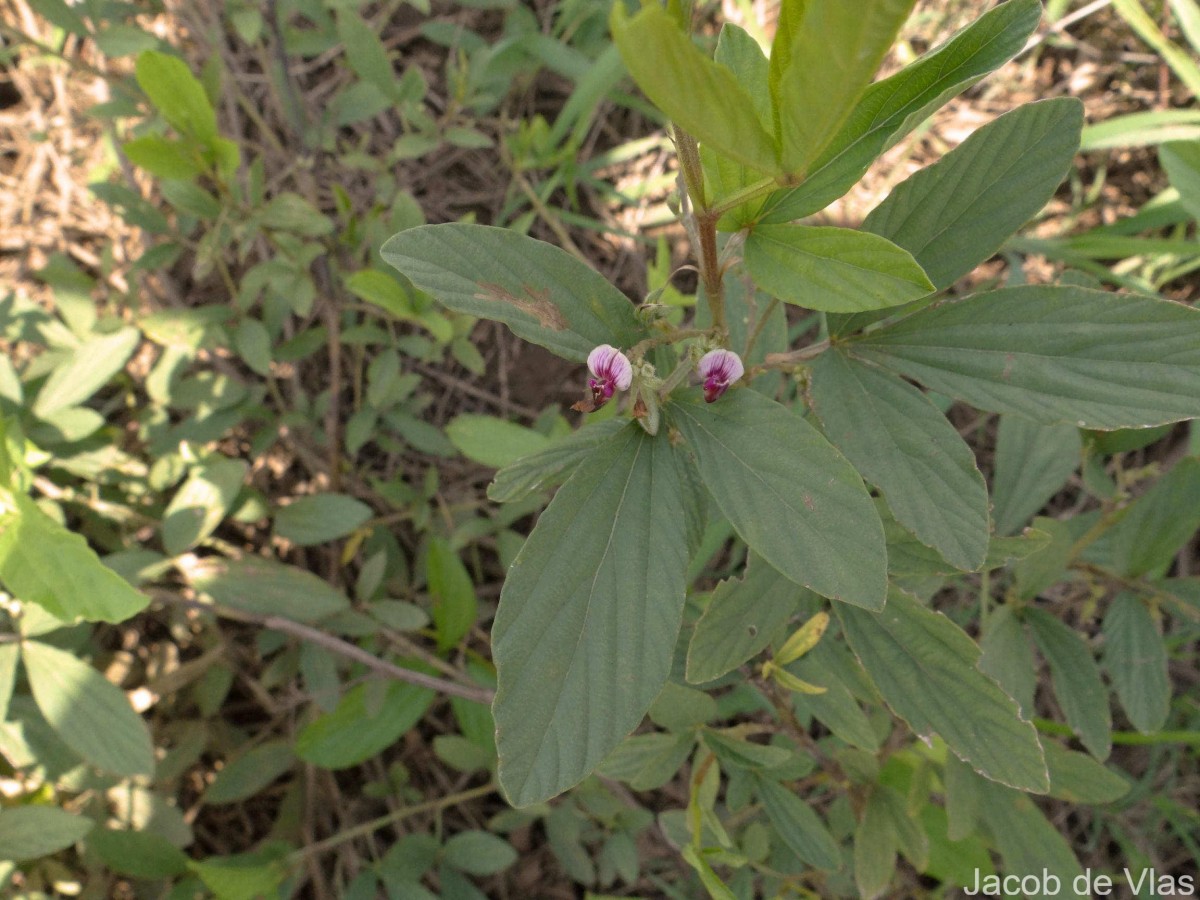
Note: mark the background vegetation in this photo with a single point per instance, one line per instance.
(251, 418)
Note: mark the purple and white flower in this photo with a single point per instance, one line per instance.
(611, 372)
(719, 369)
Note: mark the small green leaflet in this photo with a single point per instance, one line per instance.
(926, 668)
(1053, 354)
(1076, 680)
(1033, 462)
(833, 269)
(797, 825)
(1136, 660)
(788, 493)
(541, 292)
(589, 615)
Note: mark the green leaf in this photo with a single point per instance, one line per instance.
(359, 729)
(177, 94)
(742, 55)
(1076, 680)
(875, 845)
(265, 587)
(648, 761)
(742, 618)
(542, 293)
(43, 563)
(492, 441)
(365, 52)
(9, 654)
(320, 518)
(248, 774)
(478, 853)
(1027, 842)
(798, 826)
(1142, 129)
(790, 495)
(588, 616)
(253, 343)
(734, 753)
(1137, 663)
(163, 158)
(1077, 778)
(1033, 462)
(833, 269)
(957, 212)
(1053, 354)
(701, 96)
(1181, 159)
(925, 667)
(1008, 657)
(892, 108)
(902, 443)
(201, 503)
(88, 711)
(244, 876)
(824, 55)
(716, 888)
(86, 370)
(139, 854)
(27, 832)
(1155, 526)
(555, 463)
(454, 603)
(837, 708)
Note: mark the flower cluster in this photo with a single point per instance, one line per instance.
(612, 372)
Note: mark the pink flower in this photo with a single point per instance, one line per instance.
(719, 369)
(611, 372)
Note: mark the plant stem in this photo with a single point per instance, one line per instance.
(706, 227)
(391, 818)
(1128, 738)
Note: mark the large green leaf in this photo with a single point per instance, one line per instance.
(824, 55)
(1053, 354)
(542, 293)
(1136, 660)
(88, 711)
(1076, 680)
(900, 442)
(1033, 462)
(788, 493)
(893, 107)
(926, 668)
(742, 618)
(833, 269)
(27, 832)
(956, 213)
(88, 368)
(588, 617)
(1008, 657)
(43, 563)
(700, 95)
